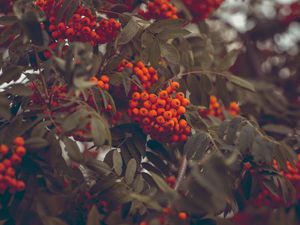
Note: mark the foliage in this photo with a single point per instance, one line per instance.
(108, 114)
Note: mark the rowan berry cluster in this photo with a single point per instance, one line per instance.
(160, 115)
(215, 109)
(82, 26)
(8, 160)
(159, 9)
(266, 198)
(201, 9)
(147, 76)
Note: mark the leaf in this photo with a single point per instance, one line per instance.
(36, 143)
(167, 34)
(4, 108)
(229, 60)
(163, 186)
(147, 200)
(72, 150)
(117, 162)
(128, 32)
(93, 217)
(8, 20)
(241, 82)
(33, 28)
(279, 129)
(99, 131)
(19, 89)
(169, 52)
(11, 74)
(130, 171)
(8, 32)
(198, 145)
(160, 25)
(154, 53)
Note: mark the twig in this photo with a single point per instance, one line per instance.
(181, 172)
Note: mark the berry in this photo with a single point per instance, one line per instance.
(19, 141)
(201, 9)
(159, 9)
(182, 215)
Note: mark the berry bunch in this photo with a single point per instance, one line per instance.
(216, 110)
(266, 198)
(159, 9)
(201, 9)
(82, 26)
(160, 115)
(147, 76)
(102, 83)
(9, 159)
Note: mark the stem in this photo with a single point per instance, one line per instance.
(181, 172)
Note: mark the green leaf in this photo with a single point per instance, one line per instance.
(163, 186)
(4, 107)
(130, 171)
(72, 150)
(171, 34)
(36, 143)
(229, 60)
(93, 217)
(128, 32)
(241, 82)
(160, 25)
(117, 162)
(100, 133)
(169, 52)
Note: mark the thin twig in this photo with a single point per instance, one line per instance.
(181, 172)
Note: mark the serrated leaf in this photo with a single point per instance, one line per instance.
(241, 82)
(128, 32)
(130, 171)
(169, 52)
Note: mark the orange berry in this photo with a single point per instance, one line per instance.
(143, 223)
(160, 111)
(161, 102)
(152, 113)
(105, 78)
(163, 94)
(182, 215)
(169, 90)
(182, 123)
(3, 149)
(133, 104)
(106, 86)
(187, 130)
(135, 111)
(213, 99)
(181, 110)
(94, 79)
(175, 85)
(143, 111)
(168, 115)
(19, 141)
(146, 120)
(166, 210)
(15, 159)
(160, 120)
(175, 103)
(153, 98)
(185, 102)
(147, 104)
(140, 64)
(136, 96)
(100, 84)
(144, 96)
(180, 96)
(183, 137)
(20, 151)
(174, 138)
